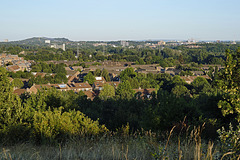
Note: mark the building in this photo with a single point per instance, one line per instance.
(19, 91)
(77, 87)
(124, 43)
(56, 46)
(72, 76)
(144, 93)
(161, 43)
(47, 41)
(99, 83)
(14, 60)
(13, 68)
(35, 88)
(90, 94)
(190, 79)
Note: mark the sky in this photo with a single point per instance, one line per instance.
(85, 20)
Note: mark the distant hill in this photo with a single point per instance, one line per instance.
(40, 41)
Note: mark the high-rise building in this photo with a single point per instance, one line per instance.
(124, 43)
(56, 46)
(47, 41)
(5, 40)
(161, 43)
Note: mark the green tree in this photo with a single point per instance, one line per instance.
(230, 83)
(124, 90)
(11, 111)
(107, 92)
(97, 73)
(60, 77)
(200, 84)
(36, 68)
(145, 84)
(89, 78)
(105, 74)
(128, 72)
(180, 59)
(180, 90)
(17, 83)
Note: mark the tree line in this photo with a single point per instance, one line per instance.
(166, 57)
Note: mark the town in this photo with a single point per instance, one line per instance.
(120, 80)
(75, 74)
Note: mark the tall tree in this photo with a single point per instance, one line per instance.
(105, 74)
(107, 92)
(89, 78)
(230, 84)
(124, 90)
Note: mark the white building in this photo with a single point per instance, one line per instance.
(47, 41)
(56, 46)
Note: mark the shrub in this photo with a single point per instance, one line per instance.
(230, 142)
(51, 126)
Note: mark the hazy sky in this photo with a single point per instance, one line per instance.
(120, 19)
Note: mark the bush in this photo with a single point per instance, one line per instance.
(230, 142)
(51, 126)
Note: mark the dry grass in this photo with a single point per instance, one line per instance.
(139, 146)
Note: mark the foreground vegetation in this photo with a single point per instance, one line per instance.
(179, 121)
(186, 144)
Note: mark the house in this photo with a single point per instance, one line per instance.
(72, 76)
(72, 73)
(74, 68)
(41, 74)
(77, 68)
(98, 85)
(114, 83)
(147, 68)
(76, 87)
(83, 74)
(172, 71)
(187, 79)
(144, 93)
(190, 79)
(19, 91)
(13, 68)
(197, 73)
(35, 88)
(23, 67)
(90, 94)
(100, 79)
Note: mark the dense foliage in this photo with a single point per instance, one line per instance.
(168, 56)
(53, 116)
(41, 118)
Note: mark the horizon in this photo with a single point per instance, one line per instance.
(140, 40)
(121, 20)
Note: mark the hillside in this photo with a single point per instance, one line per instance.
(39, 41)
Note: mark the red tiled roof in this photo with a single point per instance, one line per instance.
(19, 91)
(13, 68)
(90, 94)
(79, 85)
(40, 74)
(98, 84)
